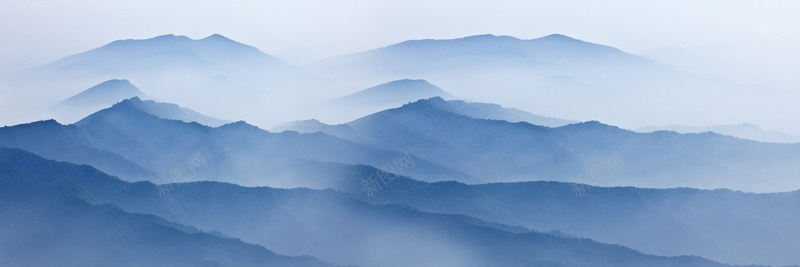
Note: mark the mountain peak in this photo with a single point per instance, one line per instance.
(434, 99)
(125, 104)
(560, 39)
(172, 112)
(490, 111)
(433, 102)
(557, 36)
(217, 37)
(116, 82)
(490, 37)
(394, 92)
(132, 112)
(468, 40)
(481, 36)
(46, 124)
(487, 35)
(104, 94)
(134, 99)
(169, 43)
(377, 98)
(240, 125)
(404, 84)
(593, 125)
(114, 85)
(170, 37)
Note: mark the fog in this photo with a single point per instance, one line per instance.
(42, 31)
(399, 133)
(745, 43)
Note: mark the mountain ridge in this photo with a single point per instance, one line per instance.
(756, 228)
(542, 75)
(742, 130)
(76, 232)
(376, 98)
(526, 152)
(450, 235)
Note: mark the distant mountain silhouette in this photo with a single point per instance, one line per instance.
(395, 94)
(111, 92)
(470, 109)
(475, 54)
(105, 94)
(555, 75)
(235, 80)
(163, 53)
(385, 96)
(57, 209)
(95, 98)
(744, 131)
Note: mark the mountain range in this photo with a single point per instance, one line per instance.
(377, 98)
(396, 93)
(500, 151)
(106, 214)
(743, 131)
(557, 76)
(51, 217)
(114, 91)
(402, 173)
(202, 74)
(95, 98)
(127, 141)
(105, 94)
(135, 145)
(175, 112)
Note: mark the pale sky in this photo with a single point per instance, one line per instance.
(39, 31)
(752, 41)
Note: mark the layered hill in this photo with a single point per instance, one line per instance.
(380, 97)
(744, 131)
(205, 74)
(589, 152)
(51, 216)
(95, 98)
(723, 225)
(555, 75)
(331, 225)
(397, 93)
(127, 141)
